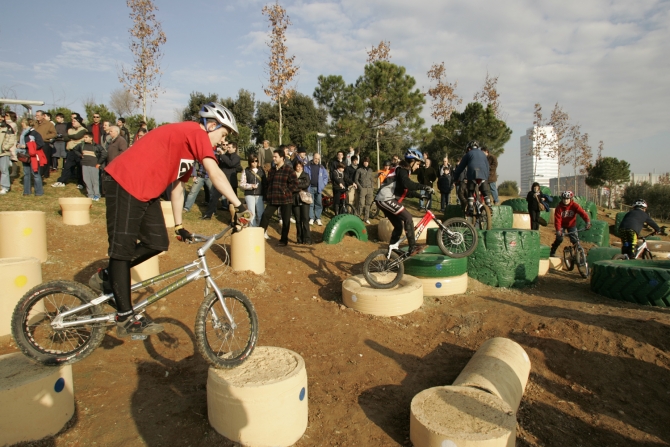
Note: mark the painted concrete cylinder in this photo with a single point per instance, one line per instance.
(501, 367)
(385, 228)
(555, 263)
(262, 402)
(661, 255)
(402, 299)
(147, 269)
(247, 250)
(544, 267)
(166, 206)
(17, 276)
(23, 235)
(454, 416)
(521, 221)
(552, 213)
(35, 400)
(75, 210)
(453, 285)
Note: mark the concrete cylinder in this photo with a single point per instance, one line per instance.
(453, 285)
(384, 230)
(35, 400)
(75, 210)
(167, 214)
(555, 263)
(552, 213)
(17, 276)
(402, 299)
(663, 255)
(452, 416)
(521, 221)
(544, 267)
(262, 402)
(501, 367)
(147, 269)
(23, 235)
(247, 250)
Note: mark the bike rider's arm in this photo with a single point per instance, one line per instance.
(653, 224)
(219, 181)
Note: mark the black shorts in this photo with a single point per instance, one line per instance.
(392, 206)
(130, 220)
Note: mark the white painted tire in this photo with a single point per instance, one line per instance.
(521, 221)
(262, 402)
(544, 267)
(23, 235)
(454, 416)
(556, 263)
(454, 285)
(18, 276)
(37, 400)
(402, 299)
(75, 210)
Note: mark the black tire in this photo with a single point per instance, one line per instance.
(634, 281)
(582, 264)
(461, 244)
(484, 220)
(381, 272)
(219, 344)
(348, 208)
(31, 328)
(568, 259)
(374, 210)
(646, 254)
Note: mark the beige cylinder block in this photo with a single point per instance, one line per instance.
(552, 213)
(23, 235)
(247, 250)
(555, 263)
(262, 402)
(75, 210)
(453, 416)
(384, 230)
(661, 255)
(147, 269)
(521, 221)
(166, 206)
(454, 285)
(544, 267)
(658, 246)
(402, 299)
(501, 367)
(17, 276)
(35, 400)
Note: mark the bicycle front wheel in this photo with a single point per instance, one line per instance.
(222, 342)
(568, 259)
(459, 239)
(582, 265)
(383, 272)
(39, 340)
(484, 218)
(646, 255)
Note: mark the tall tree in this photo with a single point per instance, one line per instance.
(301, 117)
(281, 69)
(489, 95)
(146, 39)
(381, 52)
(443, 94)
(609, 172)
(560, 121)
(122, 102)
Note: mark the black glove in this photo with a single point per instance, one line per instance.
(182, 234)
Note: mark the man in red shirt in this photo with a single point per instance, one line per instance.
(135, 181)
(565, 217)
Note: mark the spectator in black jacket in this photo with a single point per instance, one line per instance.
(349, 180)
(445, 183)
(426, 176)
(332, 167)
(230, 164)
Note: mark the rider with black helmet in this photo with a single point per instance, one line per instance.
(477, 172)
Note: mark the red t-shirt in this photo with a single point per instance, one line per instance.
(162, 156)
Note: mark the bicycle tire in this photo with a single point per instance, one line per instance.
(582, 263)
(29, 323)
(376, 268)
(646, 254)
(485, 221)
(374, 210)
(568, 259)
(246, 321)
(349, 209)
(457, 246)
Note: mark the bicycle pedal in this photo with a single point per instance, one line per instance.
(139, 337)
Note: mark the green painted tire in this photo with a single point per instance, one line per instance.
(545, 250)
(617, 221)
(343, 224)
(518, 205)
(602, 254)
(555, 200)
(598, 234)
(506, 258)
(502, 216)
(545, 190)
(634, 281)
(432, 263)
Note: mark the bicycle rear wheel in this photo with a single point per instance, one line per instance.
(568, 259)
(383, 272)
(460, 239)
(221, 344)
(484, 219)
(646, 254)
(582, 265)
(348, 208)
(37, 339)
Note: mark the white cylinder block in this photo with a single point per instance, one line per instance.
(402, 299)
(454, 285)
(23, 235)
(166, 206)
(544, 267)
(555, 263)
(262, 402)
(35, 400)
(248, 250)
(147, 269)
(75, 210)
(521, 221)
(17, 276)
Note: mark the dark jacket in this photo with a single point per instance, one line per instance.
(635, 220)
(115, 148)
(282, 183)
(477, 166)
(332, 167)
(426, 175)
(101, 132)
(230, 165)
(338, 179)
(123, 132)
(364, 177)
(302, 185)
(100, 153)
(257, 187)
(349, 174)
(493, 168)
(397, 184)
(533, 200)
(444, 181)
(61, 129)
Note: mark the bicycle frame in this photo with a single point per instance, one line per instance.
(423, 223)
(202, 271)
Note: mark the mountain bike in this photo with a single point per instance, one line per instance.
(62, 322)
(477, 212)
(384, 268)
(345, 207)
(575, 255)
(641, 251)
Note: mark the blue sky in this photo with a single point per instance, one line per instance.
(606, 62)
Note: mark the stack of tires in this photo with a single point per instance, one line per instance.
(440, 274)
(634, 281)
(602, 254)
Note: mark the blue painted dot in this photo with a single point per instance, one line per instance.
(438, 285)
(302, 394)
(438, 266)
(60, 384)
(653, 283)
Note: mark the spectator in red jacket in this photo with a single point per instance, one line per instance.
(566, 218)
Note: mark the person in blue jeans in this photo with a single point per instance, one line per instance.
(31, 142)
(318, 180)
(200, 178)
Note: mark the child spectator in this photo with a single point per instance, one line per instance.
(92, 156)
(445, 184)
(565, 217)
(338, 187)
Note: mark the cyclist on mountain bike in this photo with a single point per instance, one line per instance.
(396, 186)
(477, 172)
(135, 180)
(631, 226)
(565, 218)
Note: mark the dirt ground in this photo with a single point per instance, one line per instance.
(599, 377)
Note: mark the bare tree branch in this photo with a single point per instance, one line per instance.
(382, 52)
(443, 94)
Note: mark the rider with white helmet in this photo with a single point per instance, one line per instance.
(631, 227)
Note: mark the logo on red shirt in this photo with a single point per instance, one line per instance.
(185, 167)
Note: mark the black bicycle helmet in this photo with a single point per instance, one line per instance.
(474, 144)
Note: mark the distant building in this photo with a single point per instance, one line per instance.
(540, 167)
(636, 179)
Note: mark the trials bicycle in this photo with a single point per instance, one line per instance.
(574, 255)
(62, 322)
(477, 212)
(384, 268)
(641, 251)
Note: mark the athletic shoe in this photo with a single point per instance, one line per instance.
(58, 185)
(367, 222)
(137, 325)
(311, 221)
(266, 235)
(80, 186)
(281, 223)
(292, 220)
(319, 223)
(282, 244)
(416, 249)
(96, 198)
(206, 217)
(3, 191)
(100, 282)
